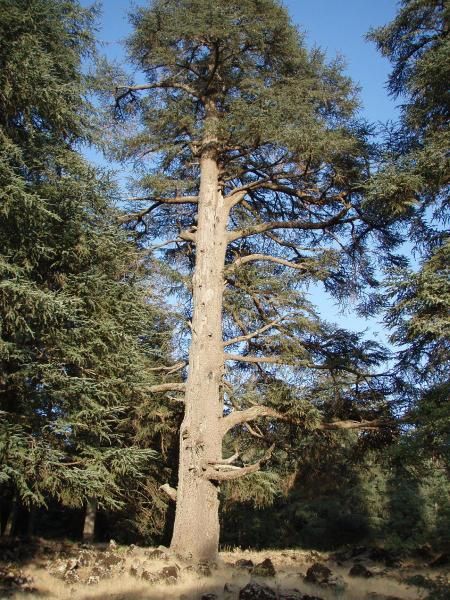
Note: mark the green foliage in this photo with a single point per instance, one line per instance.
(78, 330)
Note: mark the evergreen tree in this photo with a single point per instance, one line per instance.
(416, 166)
(257, 177)
(79, 333)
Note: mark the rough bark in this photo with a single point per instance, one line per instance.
(196, 528)
(89, 520)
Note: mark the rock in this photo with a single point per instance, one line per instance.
(72, 564)
(321, 575)
(244, 563)
(92, 580)
(71, 577)
(204, 569)
(156, 554)
(264, 569)
(229, 588)
(112, 544)
(209, 597)
(149, 576)
(171, 571)
(318, 573)
(359, 570)
(256, 591)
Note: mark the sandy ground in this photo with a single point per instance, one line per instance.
(130, 573)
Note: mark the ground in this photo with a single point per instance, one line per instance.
(40, 569)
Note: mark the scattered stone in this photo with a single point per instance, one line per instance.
(72, 564)
(204, 569)
(321, 575)
(110, 560)
(256, 591)
(149, 576)
(264, 569)
(318, 573)
(112, 544)
(244, 563)
(156, 554)
(359, 570)
(71, 577)
(229, 588)
(168, 572)
(93, 580)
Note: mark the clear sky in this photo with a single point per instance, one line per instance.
(338, 27)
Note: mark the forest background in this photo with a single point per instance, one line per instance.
(87, 427)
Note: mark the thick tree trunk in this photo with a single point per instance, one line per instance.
(196, 528)
(89, 520)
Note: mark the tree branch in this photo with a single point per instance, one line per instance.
(249, 336)
(297, 224)
(256, 412)
(168, 387)
(236, 473)
(255, 359)
(170, 491)
(157, 203)
(267, 258)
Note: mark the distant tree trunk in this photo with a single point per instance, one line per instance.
(196, 526)
(31, 521)
(89, 520)
(11, 518)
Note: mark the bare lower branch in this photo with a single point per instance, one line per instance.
(165, 84)
(170, 491)
(168, 387)
(170, 369)
(256, 412)
(249, 336)
(255, 359)
(227, 461)
(236, 473)
(266, 258)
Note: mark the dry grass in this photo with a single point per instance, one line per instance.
(290, 565)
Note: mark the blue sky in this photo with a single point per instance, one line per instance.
(338, 27)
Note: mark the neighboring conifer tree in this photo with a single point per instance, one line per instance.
(258, 176)
(416, 168)
(79, 334)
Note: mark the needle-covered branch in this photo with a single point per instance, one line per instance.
(157, 202)
(215, 474)
(256, 412)
(337, 219)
